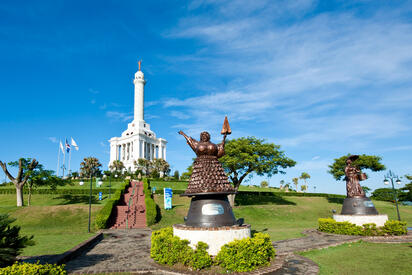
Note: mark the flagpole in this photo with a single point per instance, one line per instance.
(64, 161)
(58, 160)
(70, 158)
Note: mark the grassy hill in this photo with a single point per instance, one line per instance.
(282, 218)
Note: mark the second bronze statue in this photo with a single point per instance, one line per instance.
(208, 176)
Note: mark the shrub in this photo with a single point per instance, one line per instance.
(11, 243)
(27, 268)
(395, 228)
(169, 249)
(383, 194)
(246, 254)
(201, 259)
(346, 228)
(152, 209)
(103, 216)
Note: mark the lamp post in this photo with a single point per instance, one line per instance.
(390, 177)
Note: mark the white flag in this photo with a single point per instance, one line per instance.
(61, 147)
(75, 145)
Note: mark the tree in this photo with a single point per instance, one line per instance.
(264, 184)
(188, 173)
(90, 167)
(176, 175)
(337, 168)
(23, 175)
(366, 189)
(407, 196)
(161, 166)
(246, 156)
(144, 165)
(117, 167)
(303, 187)
(296, 182)
(11, 243)
(304, 176)
(282, 183)
(75, 175)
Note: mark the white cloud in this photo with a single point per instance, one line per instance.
(53, 139)
(119, 115)
(327, 76)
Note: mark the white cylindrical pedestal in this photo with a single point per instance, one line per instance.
(379, 220)
(215, 237)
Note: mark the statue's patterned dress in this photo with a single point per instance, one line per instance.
(208, 175)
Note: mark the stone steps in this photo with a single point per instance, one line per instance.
(136, 215)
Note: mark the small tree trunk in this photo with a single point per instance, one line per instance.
(231, 198)
(19, 195)
(29, 197)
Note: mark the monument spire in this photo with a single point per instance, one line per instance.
(139, 83)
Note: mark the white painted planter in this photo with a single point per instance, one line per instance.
(379, 220)
(215, 237)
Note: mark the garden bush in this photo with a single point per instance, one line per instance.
(383, 194)
(370, 229)
(395, 228)
(65, 191)
(11, 243)
(246, 254)
(152, 209)
(240, 255)
(27, 268)
(103, 216)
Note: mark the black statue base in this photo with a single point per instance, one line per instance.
(358, 206)
(210, 211)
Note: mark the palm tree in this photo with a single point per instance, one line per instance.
(117, 167)
(90, 167)
(296, 182)
(304, 176)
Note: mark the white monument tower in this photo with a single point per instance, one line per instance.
(138, 141)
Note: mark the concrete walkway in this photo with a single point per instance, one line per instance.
(125, 250)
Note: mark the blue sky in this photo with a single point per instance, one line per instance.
(320, 78)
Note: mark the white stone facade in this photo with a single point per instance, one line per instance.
(138, 141)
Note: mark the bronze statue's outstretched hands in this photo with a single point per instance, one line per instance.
(180, 132)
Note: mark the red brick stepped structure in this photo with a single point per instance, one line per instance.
(131, 210)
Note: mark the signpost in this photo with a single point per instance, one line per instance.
(168, 198)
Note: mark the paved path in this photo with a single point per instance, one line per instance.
(129, 251)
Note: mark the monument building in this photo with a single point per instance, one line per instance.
(138, 141)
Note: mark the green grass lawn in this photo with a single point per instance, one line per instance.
(58, 222)
(283, 218)
(363, 258)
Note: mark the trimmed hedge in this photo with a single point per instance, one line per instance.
(67, 191)
(151, 206)
(103, 216)
(391, 227)
(240, 255)
(27, 268)
(267, 193)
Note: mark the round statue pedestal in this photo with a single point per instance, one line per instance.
(379, 220)
(215, 237)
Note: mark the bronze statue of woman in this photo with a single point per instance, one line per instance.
(353, 188)
(208, 176)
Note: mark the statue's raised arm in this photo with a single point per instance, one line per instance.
(191, 141)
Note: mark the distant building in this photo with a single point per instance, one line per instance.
(138, 141)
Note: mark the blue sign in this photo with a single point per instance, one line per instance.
(100, 196)
(153, 190)
(168, 193)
